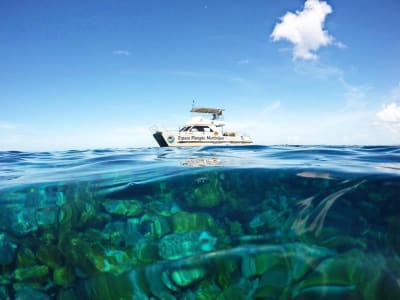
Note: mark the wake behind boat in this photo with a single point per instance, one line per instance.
(206, 128)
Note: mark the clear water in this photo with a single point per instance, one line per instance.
(288, 222)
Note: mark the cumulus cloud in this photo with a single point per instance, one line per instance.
(305, 29)
(121, 52)
(389, 113)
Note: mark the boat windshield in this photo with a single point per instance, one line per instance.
(196, 129)
(185, 128)
(202, 128)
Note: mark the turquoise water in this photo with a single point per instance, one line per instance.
(254, 222)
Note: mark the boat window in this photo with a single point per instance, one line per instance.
(201, 128)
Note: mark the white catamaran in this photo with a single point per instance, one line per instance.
(207, 128)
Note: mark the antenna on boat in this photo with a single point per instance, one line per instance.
(193, 104)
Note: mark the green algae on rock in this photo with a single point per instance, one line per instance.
(186, 277)
(179, 245)
(209, 194)
(156, 226)
(50, 256)
(185, 221)
(33, 273)
(129, 208)
(63, 276)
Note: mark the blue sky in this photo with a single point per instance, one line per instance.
(96, 74)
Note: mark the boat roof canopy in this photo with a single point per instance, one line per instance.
(206, 110)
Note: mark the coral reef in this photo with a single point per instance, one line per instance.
(214, 235)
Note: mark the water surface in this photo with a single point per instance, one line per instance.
(253, 222)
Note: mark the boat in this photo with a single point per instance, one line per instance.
(203, 129)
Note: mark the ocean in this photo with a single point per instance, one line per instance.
(251, 222)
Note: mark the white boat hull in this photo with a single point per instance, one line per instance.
(178, 139)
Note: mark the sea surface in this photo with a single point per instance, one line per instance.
(251, 222)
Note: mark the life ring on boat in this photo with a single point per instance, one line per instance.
(170, 139)
(215, 133)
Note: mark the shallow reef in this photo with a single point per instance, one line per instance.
(214, 233)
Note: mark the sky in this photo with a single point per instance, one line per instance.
(99, 74)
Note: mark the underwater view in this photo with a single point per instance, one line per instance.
(251, 222)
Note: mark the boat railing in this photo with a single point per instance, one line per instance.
(154, 128)
(232, 134)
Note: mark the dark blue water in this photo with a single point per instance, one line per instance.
(287, 222)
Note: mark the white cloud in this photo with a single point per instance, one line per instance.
(340, 125)
(305, 29)
(333, 128)
(272, 107)
(121, 52)
(243, 62)
(340, 45)
(317, 69)
(389, 113)
(356, 97)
